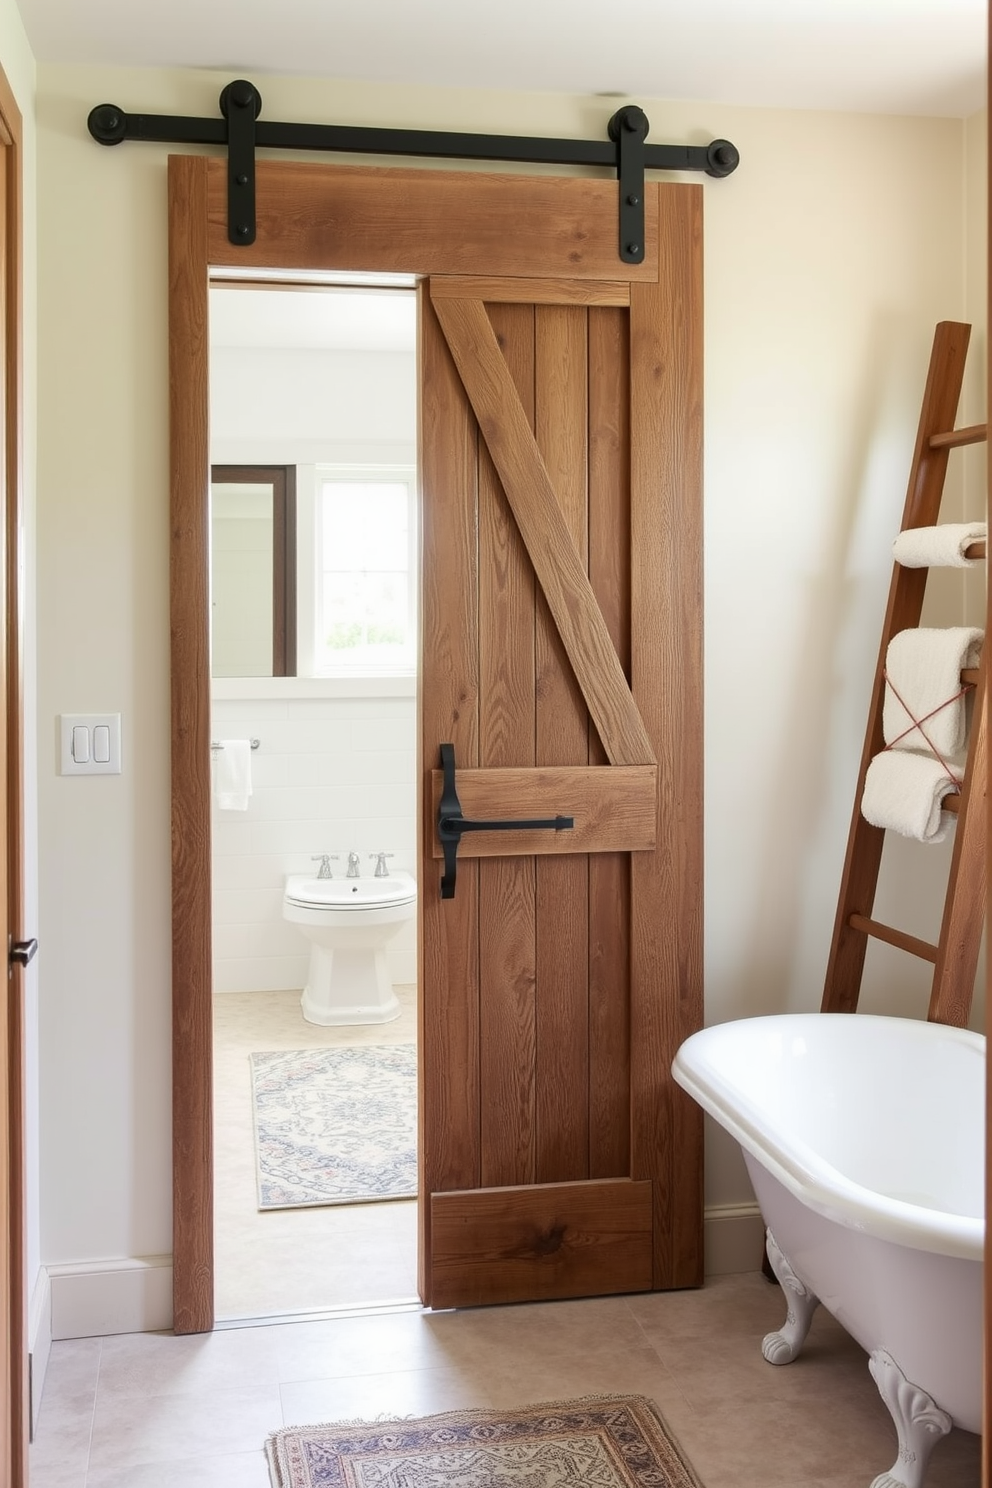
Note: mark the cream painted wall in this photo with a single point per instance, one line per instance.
(18, 65)
(829, 257)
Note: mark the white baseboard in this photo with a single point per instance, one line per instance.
(39, 1340)
(134, 1294)
(733, 1238)
(93, 1298)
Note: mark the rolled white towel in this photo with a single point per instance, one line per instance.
(903, 792)
(938, 547)
(923, 670)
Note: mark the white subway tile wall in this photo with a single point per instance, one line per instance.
(330, 775)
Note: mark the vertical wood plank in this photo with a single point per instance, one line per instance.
(192, 1033)
(987, 1288)
(959, 943)
(666, 362)
(562, 720)
(448, 939)
(609, 873)
(507, 885)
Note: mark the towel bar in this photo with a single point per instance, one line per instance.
(253, 742)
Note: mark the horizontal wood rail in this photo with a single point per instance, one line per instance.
(954, 438)
(975, 550)
(614, 808)
(898, 938)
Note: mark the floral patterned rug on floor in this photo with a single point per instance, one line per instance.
(335, 1126)
(604, 1442)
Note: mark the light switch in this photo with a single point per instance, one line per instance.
(90, 743)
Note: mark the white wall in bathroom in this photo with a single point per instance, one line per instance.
(335, 767)
(331, 774)
(279, 405)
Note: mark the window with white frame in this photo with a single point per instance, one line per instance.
(365, 600)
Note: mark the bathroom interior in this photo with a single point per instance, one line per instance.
(772, 850)
(319, 740)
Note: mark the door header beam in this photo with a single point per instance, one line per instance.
(241, 130)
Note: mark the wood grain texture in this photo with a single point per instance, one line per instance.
(955, 438)
(963, 920)
(562, 738)
(508, 949)
(531, 495)
(531, 291)
(542, 1242)
(609, 875)
(987, 1288)
(898, 938)
(408, 221)
(448, 931)
(192, 1130)
(614, 808)
(325, 218)
(863, 858)
(666, 674)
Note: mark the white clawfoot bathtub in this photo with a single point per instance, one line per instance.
(864, 1138)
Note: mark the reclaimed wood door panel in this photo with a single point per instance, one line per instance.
(560, 470)
(550, 596)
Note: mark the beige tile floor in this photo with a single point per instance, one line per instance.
(154, 1411)
(296, 1260)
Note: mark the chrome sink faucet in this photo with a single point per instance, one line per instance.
(324, 859)
(381, 871)
(353, 862)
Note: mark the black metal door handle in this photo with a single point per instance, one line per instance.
(22, 952)
(451, 823)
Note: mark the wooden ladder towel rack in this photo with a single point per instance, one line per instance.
(955, 955)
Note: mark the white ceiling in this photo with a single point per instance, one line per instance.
(880, 56)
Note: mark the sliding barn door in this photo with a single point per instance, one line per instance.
(560, 453)
(561, 428)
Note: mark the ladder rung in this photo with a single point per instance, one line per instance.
(975, 549)
(898, 938)
(971, 676)
(974, 434)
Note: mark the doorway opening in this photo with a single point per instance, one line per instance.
(313, 612)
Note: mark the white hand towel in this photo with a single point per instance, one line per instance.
(232, 774)
(938, 547)
(903, 792)
(923, 669)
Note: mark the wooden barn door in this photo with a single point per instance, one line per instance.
(559, 441)
(561, 450)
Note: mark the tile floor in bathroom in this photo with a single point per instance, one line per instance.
(154, 1411)
(296, 1260)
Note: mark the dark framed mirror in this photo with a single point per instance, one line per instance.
(253, 570)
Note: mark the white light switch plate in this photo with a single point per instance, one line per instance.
(79, 728)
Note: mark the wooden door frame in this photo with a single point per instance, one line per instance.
(16, 1427)
(566, 231)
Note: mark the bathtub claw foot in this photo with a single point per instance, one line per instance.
(919, 1421)
(783, 1346)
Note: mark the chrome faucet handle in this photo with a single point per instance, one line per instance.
(381, 871)
(324, 859)
(353, 865)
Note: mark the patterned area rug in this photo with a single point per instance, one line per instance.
(605, 1442)
(335, 1126)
